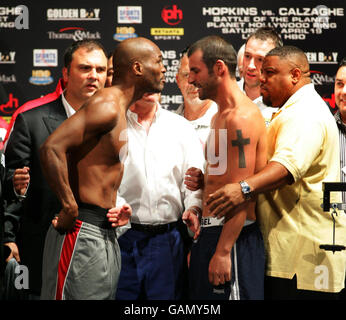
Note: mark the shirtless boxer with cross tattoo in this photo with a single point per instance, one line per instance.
(227, 261)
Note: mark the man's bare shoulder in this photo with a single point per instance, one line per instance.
(246, 110)
(247, 107)
(106, 100)
(103, 110)
(246, 116)
(107, 95)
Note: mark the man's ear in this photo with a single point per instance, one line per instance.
(177, 79)
(296, 75)
(137, 68)
(219, 67)
(65, 74)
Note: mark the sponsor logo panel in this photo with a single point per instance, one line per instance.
(322, 57)
(129, 14)
(292, 23)
(41, 77)
(73, 14)
(123, 33)
(7, 57)
(10, 106)
(45, 57)
(171, 15)
(4, 78)
(74, 33)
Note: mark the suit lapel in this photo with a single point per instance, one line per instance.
(56, 116)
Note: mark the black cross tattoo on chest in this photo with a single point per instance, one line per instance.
(240, 143)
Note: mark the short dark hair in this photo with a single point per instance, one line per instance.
(265, 34)
(342, 63)
(88, 44)
(293, 54)
(216, 48)
(184, 51)
(286, 51)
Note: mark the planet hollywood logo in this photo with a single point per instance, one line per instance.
(172, 15)
(73, 14)
(10, 105)
(74, 33)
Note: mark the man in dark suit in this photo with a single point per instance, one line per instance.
(3, 249)
(84, 72)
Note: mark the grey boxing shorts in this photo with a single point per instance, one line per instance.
(84, 263)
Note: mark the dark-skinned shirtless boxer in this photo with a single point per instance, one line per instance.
(82, 161)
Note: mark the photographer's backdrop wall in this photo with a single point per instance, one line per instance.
(33, 36)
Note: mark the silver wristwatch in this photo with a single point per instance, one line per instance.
(246, 190)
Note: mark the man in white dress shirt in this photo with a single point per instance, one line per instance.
(161, 147)
(198, 112)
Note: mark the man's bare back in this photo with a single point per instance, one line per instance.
(96, 167)
(82, 158)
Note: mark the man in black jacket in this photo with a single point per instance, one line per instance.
(3, 249)
(84, 72)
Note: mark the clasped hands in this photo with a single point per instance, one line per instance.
(219, 202)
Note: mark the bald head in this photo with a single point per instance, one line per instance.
(130, 51)
(137, 63)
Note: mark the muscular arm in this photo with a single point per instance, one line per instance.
(54, 165)
(274, 175)
(95, 118)
(220, 264)
(229, 199)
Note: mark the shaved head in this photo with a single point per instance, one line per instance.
(129, 51)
